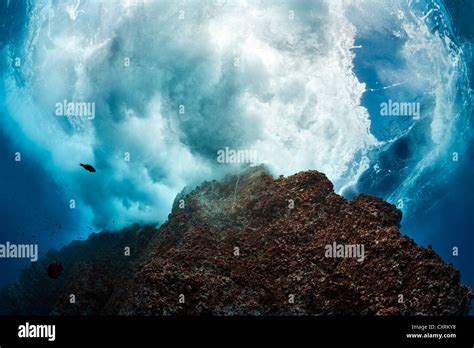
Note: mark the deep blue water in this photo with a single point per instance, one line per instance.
(443, 216)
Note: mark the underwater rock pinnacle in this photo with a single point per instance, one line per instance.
(255, 245)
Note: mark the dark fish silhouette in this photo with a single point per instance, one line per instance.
(87, 167)
(55, 269)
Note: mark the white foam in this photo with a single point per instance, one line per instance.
(293, 96)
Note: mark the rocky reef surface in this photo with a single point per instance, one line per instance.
(249, 245)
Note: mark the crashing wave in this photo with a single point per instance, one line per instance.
(175, 82)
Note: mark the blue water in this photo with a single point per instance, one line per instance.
(441, 216)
